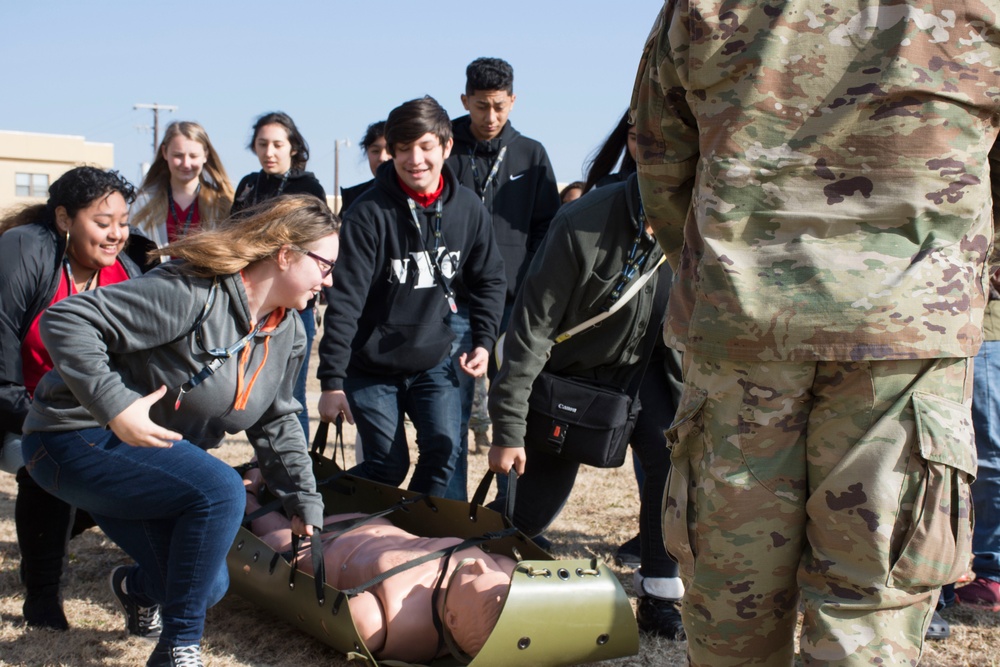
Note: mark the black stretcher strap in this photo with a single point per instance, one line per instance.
(322, 436)
(447, 551)
(444, 554)
(333, 531)
(319, 565)
(276, 505)
(479, 497)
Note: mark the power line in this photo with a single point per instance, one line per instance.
(156, 119)
(105, 125)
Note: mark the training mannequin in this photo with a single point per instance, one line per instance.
(394, 617)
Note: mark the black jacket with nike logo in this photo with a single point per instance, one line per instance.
(521, 198)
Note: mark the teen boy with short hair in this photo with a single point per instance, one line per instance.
(513, 177)
(386, 340)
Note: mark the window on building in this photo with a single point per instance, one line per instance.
(31, 185)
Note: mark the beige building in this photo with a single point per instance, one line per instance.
(30, 161)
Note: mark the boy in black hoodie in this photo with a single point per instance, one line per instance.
(386, 340)
(514, 179)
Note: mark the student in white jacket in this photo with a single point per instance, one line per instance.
(186, 188)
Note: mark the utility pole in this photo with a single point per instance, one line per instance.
(156, 120)
(336, 169)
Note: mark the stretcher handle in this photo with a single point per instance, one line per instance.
(479, 497)
(323, 434)
(319, 565)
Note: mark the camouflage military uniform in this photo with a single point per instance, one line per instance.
(819, 175)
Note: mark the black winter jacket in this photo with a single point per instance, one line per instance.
(521, 198)
(349, 195)
(388, 314)
(30, 271)
(258, 186)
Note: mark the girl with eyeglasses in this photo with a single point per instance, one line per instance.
(154, 372)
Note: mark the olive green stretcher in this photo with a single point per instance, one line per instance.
(558, 612)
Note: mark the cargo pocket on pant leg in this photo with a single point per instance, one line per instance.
(937, 547)
(678, 515)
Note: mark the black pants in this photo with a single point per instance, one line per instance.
(545, 486)
(44, 526)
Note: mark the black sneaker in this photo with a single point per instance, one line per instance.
(629, 554)
(139, 621)
(175, 656)
(660, 617)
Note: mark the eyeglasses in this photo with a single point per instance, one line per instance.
(323, 261)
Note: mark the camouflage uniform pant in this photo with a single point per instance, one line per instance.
(479, 420)
(843, 483)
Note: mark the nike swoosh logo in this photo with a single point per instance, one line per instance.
(515, 177)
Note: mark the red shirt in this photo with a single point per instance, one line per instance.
(176, 224)
(35, 359)
(424, 200)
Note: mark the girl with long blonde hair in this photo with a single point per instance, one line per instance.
(153, 372)
(185, 188)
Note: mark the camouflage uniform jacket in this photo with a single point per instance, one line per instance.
(819, 174)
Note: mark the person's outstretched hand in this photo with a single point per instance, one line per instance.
(134, 427)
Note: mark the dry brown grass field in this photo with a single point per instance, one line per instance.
(601, 514)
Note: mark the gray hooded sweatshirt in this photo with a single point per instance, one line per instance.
(117, 344)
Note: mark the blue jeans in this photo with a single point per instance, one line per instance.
(175, 511)
(986, 488)
(431, 400)
(460, 326)
(309, 323)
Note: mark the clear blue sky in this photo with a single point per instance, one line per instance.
(79, 67)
